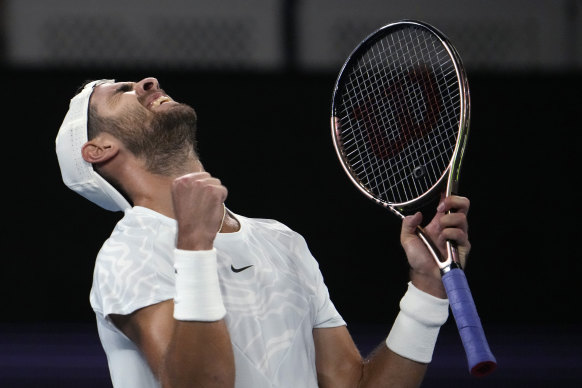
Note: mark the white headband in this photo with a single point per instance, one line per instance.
(78, 174)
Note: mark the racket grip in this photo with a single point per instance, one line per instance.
(479, 356)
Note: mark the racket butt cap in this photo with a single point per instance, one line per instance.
(483, 369)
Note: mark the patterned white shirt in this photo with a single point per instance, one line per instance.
(272, 305)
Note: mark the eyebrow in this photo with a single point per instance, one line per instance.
(121, 88)
(124, 87)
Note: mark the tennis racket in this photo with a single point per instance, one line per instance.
(400, 120)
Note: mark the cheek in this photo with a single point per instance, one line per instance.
(137, 117)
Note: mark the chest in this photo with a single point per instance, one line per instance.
(270, 301)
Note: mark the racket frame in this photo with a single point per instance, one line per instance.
(450, 174)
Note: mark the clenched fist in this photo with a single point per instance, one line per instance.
(198, 200)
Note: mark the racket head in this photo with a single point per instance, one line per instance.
(400, 115)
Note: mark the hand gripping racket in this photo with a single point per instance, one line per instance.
(400, 120)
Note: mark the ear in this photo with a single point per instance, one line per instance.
(99, 150)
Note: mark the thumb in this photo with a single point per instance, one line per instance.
(409, 225)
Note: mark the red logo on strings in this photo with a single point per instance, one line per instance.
(419, 82)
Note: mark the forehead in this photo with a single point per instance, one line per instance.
(102, 91)
(103, 95)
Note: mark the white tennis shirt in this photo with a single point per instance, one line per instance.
(272, 306)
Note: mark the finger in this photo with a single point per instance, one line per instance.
(207, 181)
(198, 181)
(195, 175)
(455, 203)
(458, 236)
(212, 193)
(410, 223)
(189, 179)
(211, 184)
(221, 194)
(441, 206)
(454, 220)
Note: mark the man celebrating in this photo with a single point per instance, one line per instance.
(188, 294)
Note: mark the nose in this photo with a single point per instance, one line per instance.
(147, 85)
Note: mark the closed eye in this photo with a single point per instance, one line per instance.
(125, 87)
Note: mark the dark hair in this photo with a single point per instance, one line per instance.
(95, 123)
(80, 88)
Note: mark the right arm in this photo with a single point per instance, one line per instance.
(186, 353)
(180, 353)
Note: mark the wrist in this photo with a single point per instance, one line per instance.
(197, 243)
(417, 325)
(430, 283)
(197, 293)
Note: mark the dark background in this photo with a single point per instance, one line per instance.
(265, 133)
(267, 137)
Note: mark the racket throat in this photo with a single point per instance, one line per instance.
(445, 265)
(452, 261)
(452, 265)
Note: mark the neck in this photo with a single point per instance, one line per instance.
(230, 224)
(154, 191)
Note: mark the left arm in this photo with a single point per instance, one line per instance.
(338, 362)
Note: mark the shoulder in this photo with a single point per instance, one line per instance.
(134, 265)
(138, 229)
(140, 235)
(273, 228)
(280, 238)
(141, 219)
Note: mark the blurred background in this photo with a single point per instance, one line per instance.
(260, 74)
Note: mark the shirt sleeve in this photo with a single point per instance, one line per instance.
(131, 272)
(326, 313)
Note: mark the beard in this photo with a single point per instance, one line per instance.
(165, 141)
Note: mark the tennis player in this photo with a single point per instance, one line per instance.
(187, 293)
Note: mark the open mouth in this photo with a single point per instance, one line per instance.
(159, 101)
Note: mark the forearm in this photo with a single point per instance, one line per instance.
(341, 366)
(199, 354)
(200, 351)
(403, 359)
(384, 368)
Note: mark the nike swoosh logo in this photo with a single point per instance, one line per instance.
(237, 270)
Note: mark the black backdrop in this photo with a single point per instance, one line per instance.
(267, 137)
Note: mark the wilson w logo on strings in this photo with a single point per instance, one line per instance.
(391, 104)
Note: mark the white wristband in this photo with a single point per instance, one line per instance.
(417, 325)
(198, 296)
